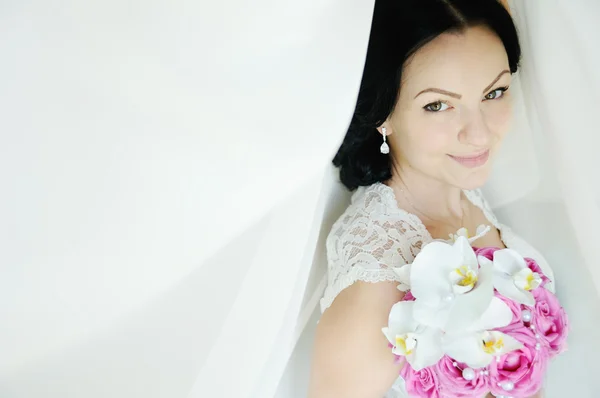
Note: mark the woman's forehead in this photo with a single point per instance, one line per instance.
(452, 60)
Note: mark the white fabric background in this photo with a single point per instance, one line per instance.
(165, 185)
(161, 163)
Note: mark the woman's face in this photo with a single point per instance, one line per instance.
(453, 110)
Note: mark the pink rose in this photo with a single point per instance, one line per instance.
(550, 321)
(408, 296)
(454, 385)
(421, 384)
(534, 267)
(522, 369)
(487, 252)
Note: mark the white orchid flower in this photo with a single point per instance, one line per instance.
(512, 278)
(477, 349)
(464, 232)
(403, 273)
(452, 291)
(479, 344)
(421, 345)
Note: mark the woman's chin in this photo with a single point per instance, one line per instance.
(467, 177)
(473, 180)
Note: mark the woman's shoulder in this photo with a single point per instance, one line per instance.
(374, 218)
(371, 238)
(374, 203)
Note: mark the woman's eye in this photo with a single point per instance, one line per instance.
(498, 93)
(436, 107)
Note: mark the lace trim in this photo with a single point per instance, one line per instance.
(477, 198)
(356, 274)
(389, 197)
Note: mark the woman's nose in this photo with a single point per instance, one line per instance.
(476, 131)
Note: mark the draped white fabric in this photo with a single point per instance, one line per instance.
(162, 164)
(166, 185)
(562, 64)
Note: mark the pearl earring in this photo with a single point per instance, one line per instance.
(384, 148)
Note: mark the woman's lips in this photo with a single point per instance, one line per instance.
(472, 161)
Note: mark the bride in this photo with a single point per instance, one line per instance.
(433, 108)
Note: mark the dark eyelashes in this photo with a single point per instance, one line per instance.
(501, 89)
(430, 107)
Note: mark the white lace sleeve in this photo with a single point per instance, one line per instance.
(370, 238)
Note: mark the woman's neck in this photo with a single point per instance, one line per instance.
(427, 196)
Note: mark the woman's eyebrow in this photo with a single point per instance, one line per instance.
(458, 96)
(440, 91)
(496, 80)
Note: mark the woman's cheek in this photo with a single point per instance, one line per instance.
(438, 139)
(499, 115)
(442, 131)
(429, 134)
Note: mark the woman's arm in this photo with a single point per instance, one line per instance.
(351, 358)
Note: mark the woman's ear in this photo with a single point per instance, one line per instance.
(384, 130)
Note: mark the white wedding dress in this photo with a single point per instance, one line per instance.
(374, 235)
(152, 209)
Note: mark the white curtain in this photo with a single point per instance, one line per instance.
(562, 69)
(162, 167)
(166, 185)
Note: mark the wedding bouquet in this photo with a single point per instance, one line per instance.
(474, 321)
